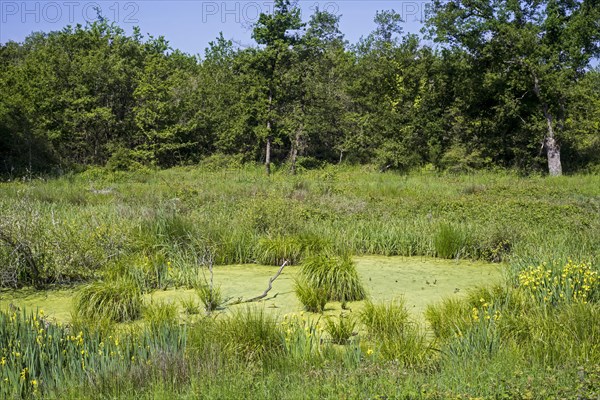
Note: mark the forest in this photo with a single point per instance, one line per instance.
(509, 85)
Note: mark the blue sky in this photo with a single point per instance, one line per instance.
(190, 25)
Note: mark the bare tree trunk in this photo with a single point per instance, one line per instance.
(550, 144)
(553, 153)
(269, 137)
(296, 147)
(268, 152)
(294, 155)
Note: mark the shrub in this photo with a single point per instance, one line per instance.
(220, 161)
(313, 299)
(458, 159)
(307, 163)
(340, 329)
(497, 244)
(336, 275)
(117, 300)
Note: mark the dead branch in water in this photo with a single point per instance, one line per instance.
(268, 289)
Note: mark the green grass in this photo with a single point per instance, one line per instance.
(465, 329)
(341, 329)
(244, 215)
(210, 296)
(117, 300)
(335, 275)
(313, 298)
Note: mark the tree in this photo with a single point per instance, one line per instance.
(275, 32)
(536, 49)
(314, 85)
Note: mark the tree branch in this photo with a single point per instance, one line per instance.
(268, 289)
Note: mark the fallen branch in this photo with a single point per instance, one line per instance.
(268, 289)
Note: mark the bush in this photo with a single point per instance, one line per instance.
(117, 300)
(458, 159)
(220, 161)
(336, 275)
(497, 243)
(306, 163)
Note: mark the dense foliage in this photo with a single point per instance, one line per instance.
(508, 82)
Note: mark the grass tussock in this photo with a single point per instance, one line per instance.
(251, 334)
(395, 335)
(336, 275)
(210, 296)
(115, 300)
(449, 241)
(159, 314)
(341, 329)
(312, 298)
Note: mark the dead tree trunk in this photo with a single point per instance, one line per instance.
(269, 135)
(296, 148)
(268, 152)
(550, 144)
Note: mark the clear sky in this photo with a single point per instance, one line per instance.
(190, 25)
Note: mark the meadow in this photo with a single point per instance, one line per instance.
(133, 284)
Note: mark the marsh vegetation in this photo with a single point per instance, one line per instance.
(125, 275)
